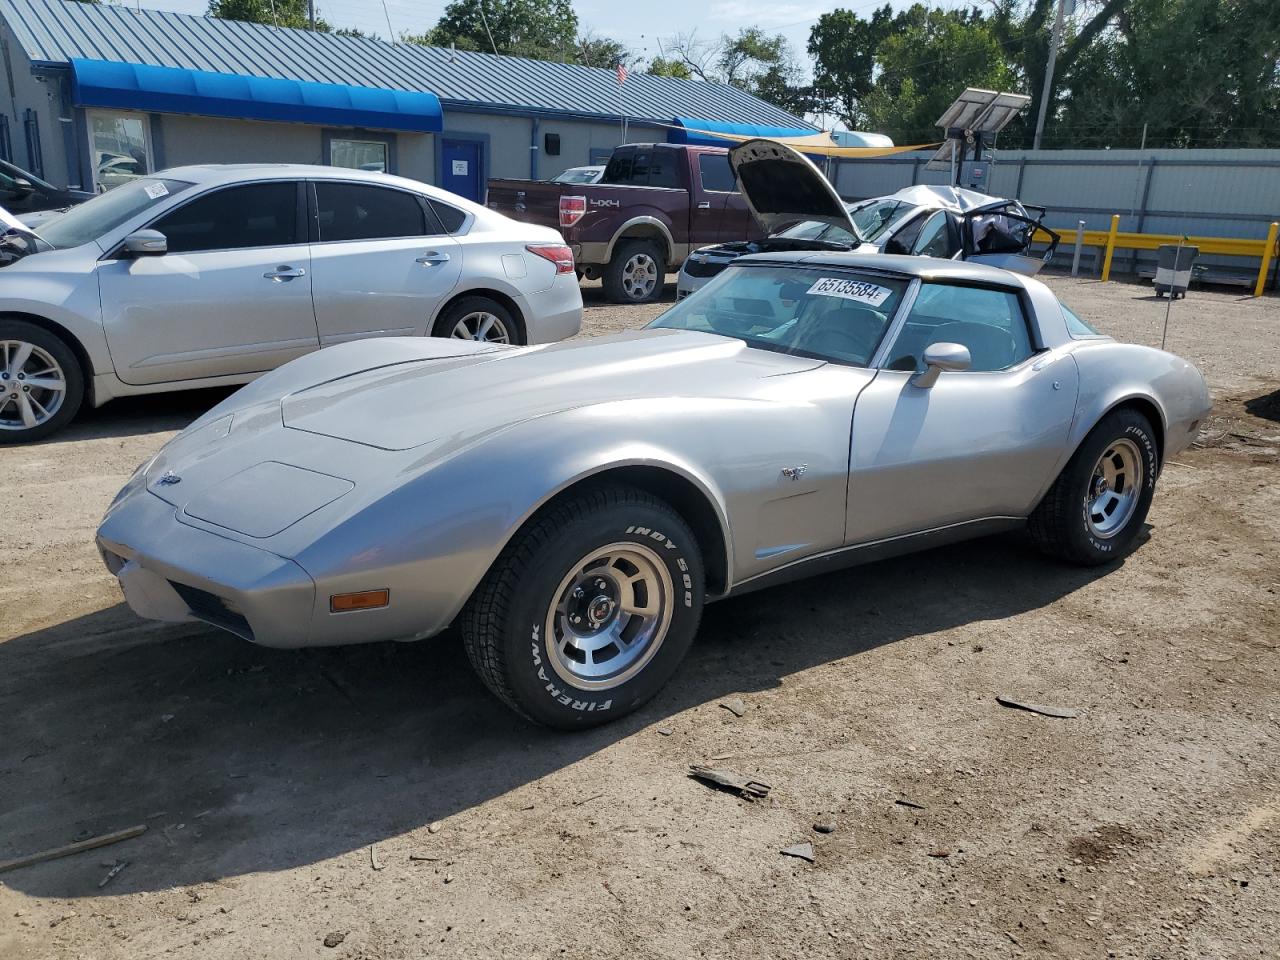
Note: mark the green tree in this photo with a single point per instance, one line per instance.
(760, 63)
(593, 50)
(843, 47)
(925, 63)
(280, 13)
(541, 29)
(662, 67)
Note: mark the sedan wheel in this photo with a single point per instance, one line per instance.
(483, 326)
(589, 609)
(33, 383)
(40, 382)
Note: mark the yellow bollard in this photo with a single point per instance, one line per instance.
(1267, 253)
(1111, 247)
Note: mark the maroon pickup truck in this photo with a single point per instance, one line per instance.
(655, 203)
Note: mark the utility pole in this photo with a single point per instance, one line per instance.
(311, 12)
(1047, 89)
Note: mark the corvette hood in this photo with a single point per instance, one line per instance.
(405, 406)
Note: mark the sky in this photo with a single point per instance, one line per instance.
(638, 25)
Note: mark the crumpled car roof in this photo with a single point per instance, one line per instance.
(957, 199)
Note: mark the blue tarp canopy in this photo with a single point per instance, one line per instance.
(134, 86)
(694, 131)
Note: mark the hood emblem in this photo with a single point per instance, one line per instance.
(169, 479)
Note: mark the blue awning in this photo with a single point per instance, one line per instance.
(134, 86)
(691, 130)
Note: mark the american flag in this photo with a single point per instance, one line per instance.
(622, 74)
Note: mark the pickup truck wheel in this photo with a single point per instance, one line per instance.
(637, 272)
(41, 384)
(588, 612)
(1094, 511)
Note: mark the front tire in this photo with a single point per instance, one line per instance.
(41, 383)
(589, 610)
(1094, 511)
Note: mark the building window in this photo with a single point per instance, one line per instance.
(120, 147)
(359, 155)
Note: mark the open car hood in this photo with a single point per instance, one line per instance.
(782, 186)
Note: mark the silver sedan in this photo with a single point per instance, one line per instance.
(571, 507)
(210, 275)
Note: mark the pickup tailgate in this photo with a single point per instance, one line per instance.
(530, 201)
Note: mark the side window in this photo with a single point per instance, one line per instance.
(254, 215)
(451, 218)
(937, 238)
(662, 169)
(988, 321)
(905, 238)
(640, 169)
(618, 170)
(716, 173)
(358, 211)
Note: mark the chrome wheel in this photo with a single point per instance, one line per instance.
(1114, 489)
(483, 326)
(32, 385)
(609, 616)
(639, 276)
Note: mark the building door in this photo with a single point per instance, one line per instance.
(461, 172)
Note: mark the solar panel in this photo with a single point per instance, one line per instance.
(983, 111)
(942, 159)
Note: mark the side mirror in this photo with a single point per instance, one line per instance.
(146, 243)
(22, 186)
(895, 246)
(939, 357)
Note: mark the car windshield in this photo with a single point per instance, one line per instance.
(826, 313)
(104, 213)
(874, 217)
(579, 175)
(9, 174)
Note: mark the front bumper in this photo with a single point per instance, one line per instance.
(175, 572)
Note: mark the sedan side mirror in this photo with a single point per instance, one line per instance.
(939, 357)
(22, 187)
(146, 243)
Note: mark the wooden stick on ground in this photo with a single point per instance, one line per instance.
(93, 843)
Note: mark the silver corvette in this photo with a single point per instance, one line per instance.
(572, 506)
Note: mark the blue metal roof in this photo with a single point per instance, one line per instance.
(54, 32)
(129, 86)
(701, 132)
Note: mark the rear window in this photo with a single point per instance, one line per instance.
(716, 172)
(1075, 326)
(642, 168)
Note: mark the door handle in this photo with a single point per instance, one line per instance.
(284, 273)
(433, 257)
(704, 204)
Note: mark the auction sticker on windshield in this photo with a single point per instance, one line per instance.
(157, 190)
(858, 290)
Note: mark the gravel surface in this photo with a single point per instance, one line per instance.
(376, 802)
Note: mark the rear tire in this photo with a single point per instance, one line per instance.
(637, 273)
(41, 383)
(1094, 511)
(589, 610)
(481, 319)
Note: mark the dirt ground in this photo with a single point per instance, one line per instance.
(375, 802)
